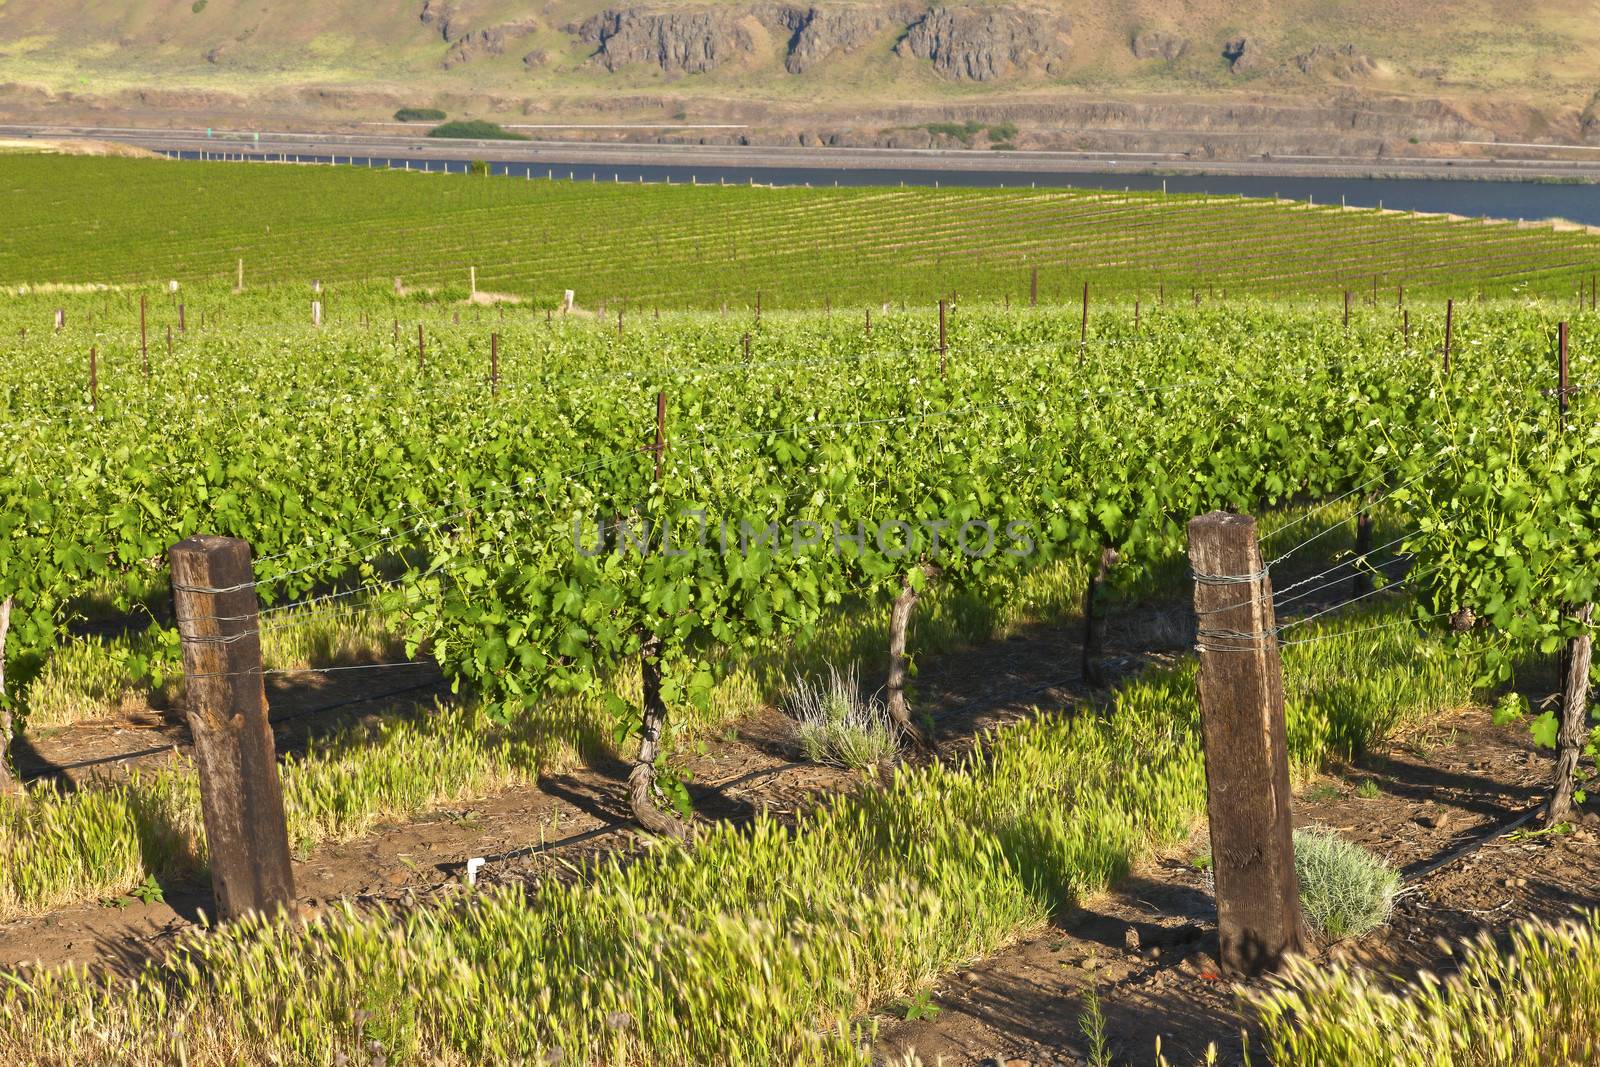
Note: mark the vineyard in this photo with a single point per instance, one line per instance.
(95, 221)
(537, 546)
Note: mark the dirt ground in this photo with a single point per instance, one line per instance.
(1145, 948)
(521, 832)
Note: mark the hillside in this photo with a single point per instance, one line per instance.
(1357, 78)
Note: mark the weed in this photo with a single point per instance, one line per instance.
(1344, 889)
(1092, 1024)
(835, 724)
(1535, 1004)
(918, 1006)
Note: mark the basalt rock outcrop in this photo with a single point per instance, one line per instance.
(983, 44)
(977, 44)
(685, 41)
(818, 34)
(492, 41)
(1154, 44)
(1243, 55)
(1343, 62)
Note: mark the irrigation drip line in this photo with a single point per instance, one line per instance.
(312, 670)
(56, 770)
(1414, 876)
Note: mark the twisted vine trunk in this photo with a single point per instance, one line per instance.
(642, 779)
(8, 783)
(899, 624)
(1574, 718)
(1361, 582)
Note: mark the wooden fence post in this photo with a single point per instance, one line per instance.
(1347, 310)
(941, 340)
(1033, 288)
(241, 798)
(1575, 655)
(94, 378)
(1449, 325)
(421, 349)
(1246, 747)
(182, 324)
(494, 364)
(144, 345)
(1083, 330)
(61, 318)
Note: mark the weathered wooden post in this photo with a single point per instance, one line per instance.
(241, 799)
(182, 324)
(941, 340)
(61, 318)
(94, 378)
(494, 364)
(8, 784)
(1347, 310)
(421, 350)
(144, 345)
(1246, 747)
(1033, 288)
(1575, 655)
(1449, 325)
(1083, 330)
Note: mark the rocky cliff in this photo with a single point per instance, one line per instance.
(820, 33)
(987, 43)
(687, 42)
(979, 44)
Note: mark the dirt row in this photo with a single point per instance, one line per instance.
(1144, 949)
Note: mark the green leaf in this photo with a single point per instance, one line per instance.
(1544, 729)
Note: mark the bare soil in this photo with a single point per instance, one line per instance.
(1147, 949)
(549, 828)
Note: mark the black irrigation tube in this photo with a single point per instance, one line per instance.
(1415, 876)
(58, 770)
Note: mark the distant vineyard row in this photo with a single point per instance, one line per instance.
(115, 221)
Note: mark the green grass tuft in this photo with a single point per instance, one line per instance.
(1345, 890)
